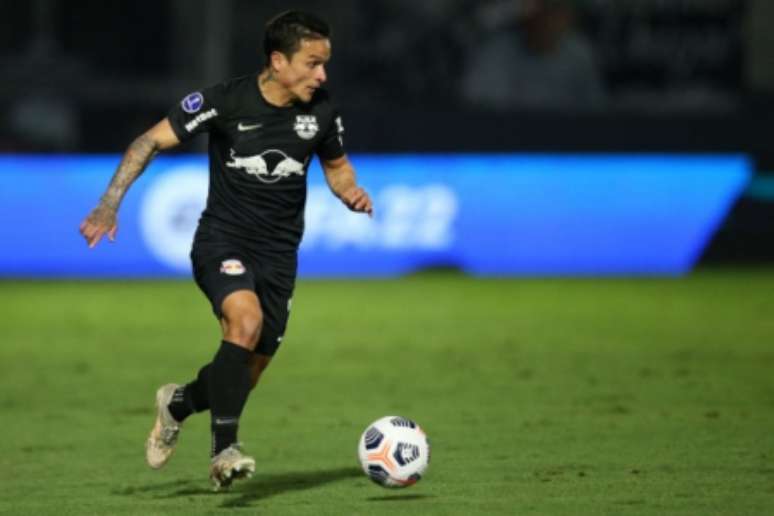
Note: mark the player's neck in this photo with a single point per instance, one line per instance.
(273, 92)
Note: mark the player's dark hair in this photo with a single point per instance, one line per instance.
(285, 31)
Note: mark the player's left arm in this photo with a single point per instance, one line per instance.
(340, 175)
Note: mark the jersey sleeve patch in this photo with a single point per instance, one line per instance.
(192, 102)
(195, 113)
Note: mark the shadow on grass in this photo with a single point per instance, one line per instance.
(265, 486)
(156, 487)
(399, 498)
(242, 494)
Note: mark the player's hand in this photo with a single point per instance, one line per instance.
(357, 199)
(102, 220)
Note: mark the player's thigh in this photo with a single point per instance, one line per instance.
(221, 274)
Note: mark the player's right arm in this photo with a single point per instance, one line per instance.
(102, 219)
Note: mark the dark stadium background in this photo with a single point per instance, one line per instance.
(685, 75)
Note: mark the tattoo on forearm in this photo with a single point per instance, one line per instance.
(137, 156)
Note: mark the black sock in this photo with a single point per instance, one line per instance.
(193, 397)
(228, 389)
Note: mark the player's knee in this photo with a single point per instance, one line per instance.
(249, 328)
(242, 319)
(244, 329)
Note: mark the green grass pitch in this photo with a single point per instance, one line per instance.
(540, 396)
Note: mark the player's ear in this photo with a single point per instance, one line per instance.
(278, 60)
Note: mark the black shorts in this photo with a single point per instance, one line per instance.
(220, 272)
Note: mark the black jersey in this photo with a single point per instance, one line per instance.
(259, 156)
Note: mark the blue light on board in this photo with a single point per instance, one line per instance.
(516, 214)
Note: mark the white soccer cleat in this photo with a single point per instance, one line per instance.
(229, 465)
(163, 436)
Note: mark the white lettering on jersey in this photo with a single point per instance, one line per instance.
(193, 124)
(340, 130)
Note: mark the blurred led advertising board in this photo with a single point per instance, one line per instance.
(491, 215)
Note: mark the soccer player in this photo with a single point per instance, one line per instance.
(263, 129)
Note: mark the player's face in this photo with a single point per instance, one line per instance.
(305, 71)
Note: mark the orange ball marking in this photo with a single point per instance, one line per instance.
(383, 456)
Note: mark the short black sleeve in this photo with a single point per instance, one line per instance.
(332, 144)
(196, 113)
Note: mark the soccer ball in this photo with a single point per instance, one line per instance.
(394, 451)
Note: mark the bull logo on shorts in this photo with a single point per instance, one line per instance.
(232, 267)
(269, 166)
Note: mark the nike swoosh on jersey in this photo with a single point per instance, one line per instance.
(245, 127)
